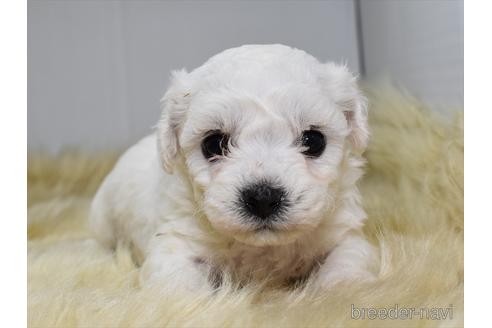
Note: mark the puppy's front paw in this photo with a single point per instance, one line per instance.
(169, 277)
(353, 260)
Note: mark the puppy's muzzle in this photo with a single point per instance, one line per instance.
(263, 201)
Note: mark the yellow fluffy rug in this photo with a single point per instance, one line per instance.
(413, 193)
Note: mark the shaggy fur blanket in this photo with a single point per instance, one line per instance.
(413, 194)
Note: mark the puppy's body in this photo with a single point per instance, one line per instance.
(189, 224)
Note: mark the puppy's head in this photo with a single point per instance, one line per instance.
(263, 133)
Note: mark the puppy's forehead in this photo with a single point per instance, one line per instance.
(257, 69)
(227, 109)
(233, 91)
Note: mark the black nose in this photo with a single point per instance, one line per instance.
(262, 200)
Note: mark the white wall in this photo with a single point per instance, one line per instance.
(97, 69)
(418, 44)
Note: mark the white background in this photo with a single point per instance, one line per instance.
(97, 69)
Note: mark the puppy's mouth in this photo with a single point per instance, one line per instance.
(266, 233)
(275, 224)
(277, 229)
(265, 227)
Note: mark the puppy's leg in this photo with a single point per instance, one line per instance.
(353, 259)
(101, 220)
(174, 262)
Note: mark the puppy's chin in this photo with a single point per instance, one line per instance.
(262, 236)
(267, 237)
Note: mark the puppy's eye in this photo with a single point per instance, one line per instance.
(314, 141)
(215, 145)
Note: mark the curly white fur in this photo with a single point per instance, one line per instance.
(176, 209)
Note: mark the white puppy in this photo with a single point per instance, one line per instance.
(252, 172)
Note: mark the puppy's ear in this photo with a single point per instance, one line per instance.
(174, 105)
(343, 86)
